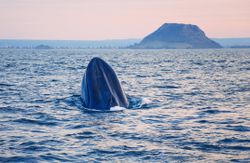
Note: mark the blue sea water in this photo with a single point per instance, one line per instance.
(185, 106)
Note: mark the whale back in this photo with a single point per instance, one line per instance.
(101, 88)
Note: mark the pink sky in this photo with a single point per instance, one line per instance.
(119, 19)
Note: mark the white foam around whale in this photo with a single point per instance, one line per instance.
(117, 108)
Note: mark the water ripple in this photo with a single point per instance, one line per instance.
(184, 106)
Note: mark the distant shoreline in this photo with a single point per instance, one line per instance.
(103, 44)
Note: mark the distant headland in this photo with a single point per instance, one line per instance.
(168, 36)
(177, 36)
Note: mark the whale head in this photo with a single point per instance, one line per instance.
(101, 88)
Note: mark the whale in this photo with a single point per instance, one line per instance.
(101, 89)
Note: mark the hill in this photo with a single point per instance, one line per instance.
(177, 36)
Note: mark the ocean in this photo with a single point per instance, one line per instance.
(185, 106)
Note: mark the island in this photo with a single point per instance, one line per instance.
(177, 36)
(43, 47)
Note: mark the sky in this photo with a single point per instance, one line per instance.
(119, 19)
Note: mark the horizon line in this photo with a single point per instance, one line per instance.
(27, 39)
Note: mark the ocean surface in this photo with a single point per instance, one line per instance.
(185, 106)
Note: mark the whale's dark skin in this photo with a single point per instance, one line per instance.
(101, 88)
